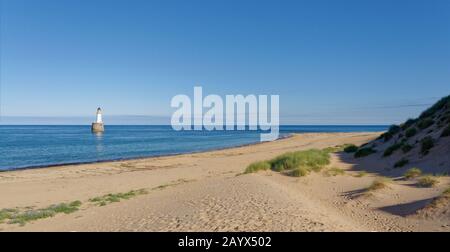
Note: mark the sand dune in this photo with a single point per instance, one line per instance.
(208, 192)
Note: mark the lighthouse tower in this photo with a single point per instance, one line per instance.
(99, 116)
(97, 126)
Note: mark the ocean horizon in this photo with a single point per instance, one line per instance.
(33, 146)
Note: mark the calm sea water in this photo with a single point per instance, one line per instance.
(35, 146)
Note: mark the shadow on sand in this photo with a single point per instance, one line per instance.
(373, 164)
(379, 166)
(407, 208)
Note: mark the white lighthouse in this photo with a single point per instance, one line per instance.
(97, 126)
(99, 116)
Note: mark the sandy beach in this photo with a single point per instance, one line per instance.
(208, 192)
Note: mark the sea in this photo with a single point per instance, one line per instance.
(33, 146)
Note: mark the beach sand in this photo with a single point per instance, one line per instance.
(208, 192)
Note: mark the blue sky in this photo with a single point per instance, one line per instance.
(331, 62)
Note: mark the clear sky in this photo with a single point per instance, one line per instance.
(331, 62)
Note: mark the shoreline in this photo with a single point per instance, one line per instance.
(208, 191)
(86, 154)
(36, 167)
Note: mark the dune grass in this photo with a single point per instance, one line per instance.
(22, 216)
(363, 152)
(408, 123)
(446, 192)
(7, 213)
(333, 149)
(31, 215)
(65, 208)
(402, 162)
(391, 149)
(394, 129)
(348, 148)
(446, 132)
(378, 184)
(440, 201)
(296, 164)
(334, 171)
(15, 216)
(257, 166)
(426, 144)
(116, 197)
(425, 123)
(412, 173)
(312, 159)
(361, 174)
(445, 101)
(407, 148)
(299, 172)
(386, 136)
(445, 119)
(351, 148)
(427, 181)
(411, 132)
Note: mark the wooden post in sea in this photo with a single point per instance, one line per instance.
(97, 126)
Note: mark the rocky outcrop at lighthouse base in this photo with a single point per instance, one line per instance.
(97, 127)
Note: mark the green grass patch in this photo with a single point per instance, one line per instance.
(441, 200)
(15, 216)
(408, 123)
(351, 148)
(334, 171)
(116, 197)
(425, 123)
(361, 174)
(411, 132)
(257, 166)
(299, 172)
(394, 129)
(296, 164)
(426, 144)
(407, 148)
(363, 152)
(386, 136)
(31, 215)
(338, 148)
(446, 132)
(65, 208)
(333, 149)
(378, 184)
(402, 162)
(444, 119)
(391, 149)
(7, 213)
(310, 159)
(427, 181)
(412, 173)
(446, 192)
(444, 102)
